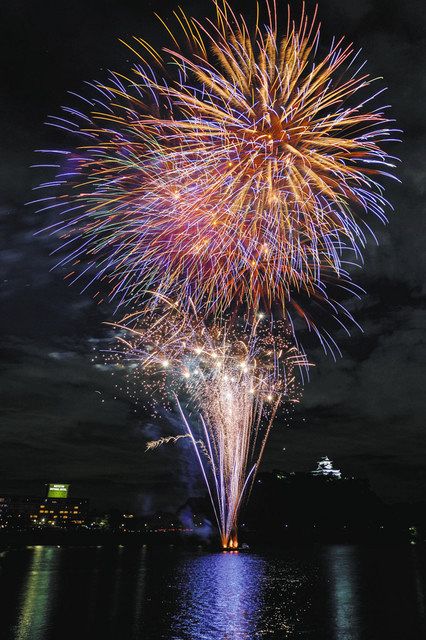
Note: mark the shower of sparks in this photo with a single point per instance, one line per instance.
(240, 165)
(233, 380)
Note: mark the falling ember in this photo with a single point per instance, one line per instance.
(234, 406)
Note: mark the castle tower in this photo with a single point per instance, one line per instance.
(325, 469)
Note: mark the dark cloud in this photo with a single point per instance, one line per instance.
(62, 417)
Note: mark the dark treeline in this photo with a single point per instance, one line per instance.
(284, 508)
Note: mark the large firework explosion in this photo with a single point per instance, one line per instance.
(236, 166)
(236, 170)
(227, 382)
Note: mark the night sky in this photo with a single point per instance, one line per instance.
(59, 419)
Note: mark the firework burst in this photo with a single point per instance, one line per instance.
(235, 167)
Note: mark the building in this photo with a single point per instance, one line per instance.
(4, 511)
(61, 512)
(54, 510)
(58, 510)
(325, 469)
(16, 510)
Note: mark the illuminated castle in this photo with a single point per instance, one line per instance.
(325, 469)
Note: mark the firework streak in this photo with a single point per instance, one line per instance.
(234, 378)
(234, 167)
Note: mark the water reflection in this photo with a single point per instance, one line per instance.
(331, 593)
(419, 581)
(139, 592)
(38, 594)
(221, 596)
(341, 564)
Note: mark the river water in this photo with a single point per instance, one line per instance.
(333, 592)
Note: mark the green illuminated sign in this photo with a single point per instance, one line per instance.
(58, 490)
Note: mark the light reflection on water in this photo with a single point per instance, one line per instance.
(341, 563)
(337, 592)
(221, 593)
(37, 594)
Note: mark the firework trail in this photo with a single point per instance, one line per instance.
(235, 167)
(233, 378)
